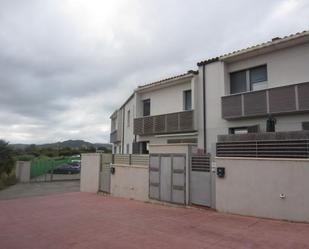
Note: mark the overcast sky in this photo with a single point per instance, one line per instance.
(65, 65)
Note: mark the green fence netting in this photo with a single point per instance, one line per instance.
(43, 166)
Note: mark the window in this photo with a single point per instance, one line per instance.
(238, 82)
(244, 130)
(238, 130)
(182, 140)
(248, 80)
(144, 147)
(305, 126)
(146, 107)
(187, 97)
(258, 78)
(128, 148)
(128, 118)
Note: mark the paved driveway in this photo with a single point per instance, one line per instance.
(39, 189)
(80, 220)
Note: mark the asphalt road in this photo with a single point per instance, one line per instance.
(39, 189)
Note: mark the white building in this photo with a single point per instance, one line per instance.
(158, 113)
(244, 87)
(233, 93)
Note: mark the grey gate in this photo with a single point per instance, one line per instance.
(167, 177)
(200, 180)
(105, 175)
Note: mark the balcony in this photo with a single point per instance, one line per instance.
(279, 100)
(162, 124)
(114, 137)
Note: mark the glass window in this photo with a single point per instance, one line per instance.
(305, 126)
(187, 100)
(238, 82)
(258, 78)
(146, 107)
(128, 148)
(240, 130)
(258, 74)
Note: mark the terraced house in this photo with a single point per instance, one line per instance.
(159, 112)
(257, 89)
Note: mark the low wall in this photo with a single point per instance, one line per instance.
(90, 172)
(23, 169)
(130, 181)
(270, 188)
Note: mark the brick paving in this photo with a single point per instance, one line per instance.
(81, 221)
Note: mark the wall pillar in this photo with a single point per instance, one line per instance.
(90, 172)
(23, 171)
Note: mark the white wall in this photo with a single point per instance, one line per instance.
(286, 66)
(90, 171)
(253, 187)
(23, 171)
(128, 135)
(166, 100)
(130, 182)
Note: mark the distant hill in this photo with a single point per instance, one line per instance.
(73, 144)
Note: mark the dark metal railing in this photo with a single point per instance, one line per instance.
(278, 100)
(166, 123)
(262, 149)
(114, 137)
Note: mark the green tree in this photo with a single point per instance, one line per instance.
(6, 158)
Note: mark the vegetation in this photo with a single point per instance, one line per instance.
(61, 149)
(7, 163)
(56, 151)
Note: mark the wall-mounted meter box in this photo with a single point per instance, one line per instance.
(221, 172)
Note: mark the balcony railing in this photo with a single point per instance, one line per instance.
(292, 144)
(162, 124)
(114, 137)
(279, 100)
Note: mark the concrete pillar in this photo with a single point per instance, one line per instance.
(90, 172)
(23, 171)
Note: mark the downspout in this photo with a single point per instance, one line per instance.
(123, 117)
(204, 108)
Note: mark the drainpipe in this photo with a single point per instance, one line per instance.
(204, 108)
(123, 117)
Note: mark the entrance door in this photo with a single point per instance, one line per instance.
(167, 178)
(105, 175)
(200, 180)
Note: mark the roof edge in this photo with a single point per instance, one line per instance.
(166, 80)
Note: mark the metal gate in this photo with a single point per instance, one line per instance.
(47, 170)
(167, 177)
(105, 172)
(200, 180)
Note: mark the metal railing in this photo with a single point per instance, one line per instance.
(114, 137)
(166, 123)
(131, 159)
(278, 100)
(264, 148)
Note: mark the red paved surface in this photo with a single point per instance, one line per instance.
(78, 220)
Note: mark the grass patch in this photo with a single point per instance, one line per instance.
(7, 180)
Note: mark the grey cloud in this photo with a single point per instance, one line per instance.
(65, 65)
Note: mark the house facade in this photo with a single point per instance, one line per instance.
(235, 93)
(244, 88)
(157, 113)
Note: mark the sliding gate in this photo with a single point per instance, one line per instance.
(167, 177)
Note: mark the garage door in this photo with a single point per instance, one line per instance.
(167, 178)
